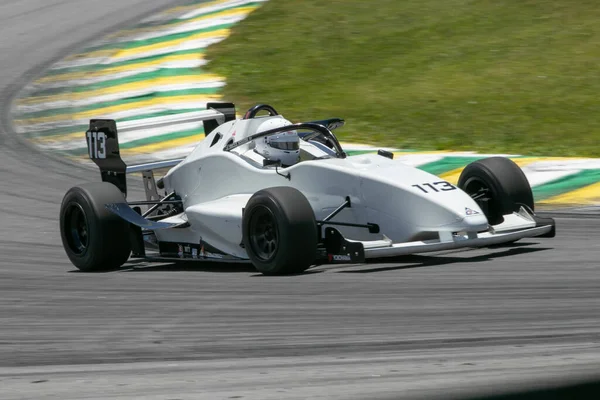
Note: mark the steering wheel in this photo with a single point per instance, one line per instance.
(251, 113)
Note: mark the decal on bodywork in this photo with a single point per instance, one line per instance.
(340, 250)
(469, 211)
(440, 186)
(102, 142)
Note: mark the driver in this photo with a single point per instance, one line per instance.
(284, 146)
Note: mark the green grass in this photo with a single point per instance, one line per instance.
(520, 76)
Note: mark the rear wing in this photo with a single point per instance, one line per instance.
(102, 140)
(103, 148)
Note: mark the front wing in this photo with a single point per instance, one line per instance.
(516, 226)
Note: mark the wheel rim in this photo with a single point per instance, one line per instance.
(76, 229)
(483, 195)
(263, 233)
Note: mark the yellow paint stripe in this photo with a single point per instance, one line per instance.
(66, 137)
(185, 9)
(118, 54)
(166, 145)
(352, 147)
(96, 54)
(176, 12)
(155, 28)
(96, 112)
(127, 87)
(128, 53)
(586, 195)
(453, 175)
(404, 153)
(152, 148)
(120, 69)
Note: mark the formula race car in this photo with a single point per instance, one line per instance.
(285, 197)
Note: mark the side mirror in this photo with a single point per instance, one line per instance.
(385, 153)
(277, 164)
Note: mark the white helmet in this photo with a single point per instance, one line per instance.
(284, 146)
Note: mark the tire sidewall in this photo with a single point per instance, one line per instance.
(108, 242)
(507, 183)
(296, 231)
(481, 172)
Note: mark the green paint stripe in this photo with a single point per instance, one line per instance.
(566, 184)
(155, 95)
(143, 142)
(359, 152)
(450, 163)
(57, 131)
(161, 73)
(160, 39)
(447, 164)
(373, 151)
(83, 128)
(162, 138)
(100, 67)
(168, 23)
(176, 20)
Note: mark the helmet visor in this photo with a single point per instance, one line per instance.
(285, 145)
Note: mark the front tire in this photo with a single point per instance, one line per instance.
(498, 185)
(279, 231)
(94, 238)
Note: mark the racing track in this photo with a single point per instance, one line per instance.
(448, 324)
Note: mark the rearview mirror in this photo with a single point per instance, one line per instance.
(276, 163)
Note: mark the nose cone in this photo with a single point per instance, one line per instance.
(461, 219)
(475, 222)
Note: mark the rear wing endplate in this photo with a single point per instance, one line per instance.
(103, 148)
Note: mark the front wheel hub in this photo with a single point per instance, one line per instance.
(263, 233)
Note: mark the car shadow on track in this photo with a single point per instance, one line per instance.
(142, 265)
(210, 267)
(195, 266)
(413, 261)
(189, 266)
(419, 261)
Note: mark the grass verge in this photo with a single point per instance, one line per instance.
(517, 76)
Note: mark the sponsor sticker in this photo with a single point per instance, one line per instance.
(213, 255)
(469, 211)
(339, 257)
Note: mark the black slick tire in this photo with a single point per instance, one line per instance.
(279, 231)
(498, 185)
(94, 238)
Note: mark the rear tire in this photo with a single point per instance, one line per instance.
(94, 238)
(279, 231)
(501, 184)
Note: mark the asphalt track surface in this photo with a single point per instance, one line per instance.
(439, 326)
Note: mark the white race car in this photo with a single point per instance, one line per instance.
(284, 197)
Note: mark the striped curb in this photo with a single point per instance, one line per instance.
(150, 78)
